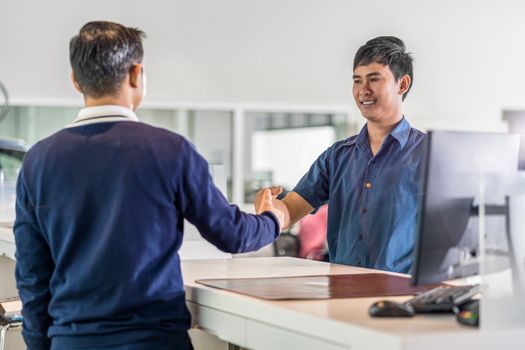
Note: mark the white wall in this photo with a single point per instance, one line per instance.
(469, 54)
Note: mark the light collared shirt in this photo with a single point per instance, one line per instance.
(103, 114)
(373, 200)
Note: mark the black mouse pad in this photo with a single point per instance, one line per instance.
(319, 287)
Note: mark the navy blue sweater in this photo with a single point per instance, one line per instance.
(100, 212)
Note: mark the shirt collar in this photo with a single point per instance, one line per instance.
(360, 139)
(400, 133)
(105, 113)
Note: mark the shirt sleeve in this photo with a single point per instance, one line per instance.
(222, 224)
(34, 267)
(314, 186)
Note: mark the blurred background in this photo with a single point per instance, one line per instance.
(263, 87)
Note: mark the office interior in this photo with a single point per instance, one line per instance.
(262, 88)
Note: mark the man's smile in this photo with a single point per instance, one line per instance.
(368, 102)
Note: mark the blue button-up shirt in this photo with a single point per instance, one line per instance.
(372, 199)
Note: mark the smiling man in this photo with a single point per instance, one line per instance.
(370, 179)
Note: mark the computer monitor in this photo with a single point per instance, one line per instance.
(460, 169)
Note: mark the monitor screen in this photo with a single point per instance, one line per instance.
(460, 170)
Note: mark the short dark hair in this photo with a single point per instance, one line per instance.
(102, 54)
(390, 51)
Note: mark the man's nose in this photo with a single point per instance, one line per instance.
(364, 89)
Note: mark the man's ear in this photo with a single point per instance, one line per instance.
(134, 75)
(404, 84)
(75, 82)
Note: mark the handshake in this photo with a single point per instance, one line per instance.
(266, 200)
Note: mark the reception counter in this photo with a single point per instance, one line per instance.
(318, 324)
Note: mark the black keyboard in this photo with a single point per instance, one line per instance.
(442, 299)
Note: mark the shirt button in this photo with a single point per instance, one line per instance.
(365, 210)
(360, 237)
(359, 263)
(368, 185)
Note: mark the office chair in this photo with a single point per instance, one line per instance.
(286, 245)
(6, 324)
(7, 290)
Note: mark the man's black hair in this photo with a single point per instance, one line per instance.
(390, 51)
(102, 54)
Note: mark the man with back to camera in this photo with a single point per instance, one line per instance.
(100, 209)
(370, 179)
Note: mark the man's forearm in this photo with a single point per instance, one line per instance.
(280, 205)
(34, 268)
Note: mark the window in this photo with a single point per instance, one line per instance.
(256, 145)
(281, 146)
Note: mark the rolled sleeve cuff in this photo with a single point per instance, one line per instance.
(310, 197)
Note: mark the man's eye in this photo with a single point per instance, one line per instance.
(374, 79)
(357, 82)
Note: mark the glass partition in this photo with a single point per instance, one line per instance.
(281, 146)
(209, 130)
